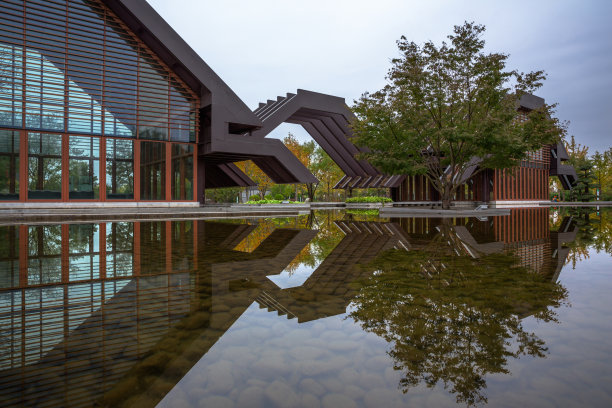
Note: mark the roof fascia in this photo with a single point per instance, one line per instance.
(156, 33)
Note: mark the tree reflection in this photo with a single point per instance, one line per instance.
(328, 236)
(594, 231)
(452, 319)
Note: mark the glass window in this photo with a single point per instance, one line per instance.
(78, 55)
(181, 115)
(44, 93)
(182, 172)
(11, 89)
(152, 171)
(84, 167)
(153, 241)
(9, 165)
(152, 100)
(84, 249)
(44, 254)
(119, 249)
(44, 166)
(9, 257)
(182, 245)
(119, 169)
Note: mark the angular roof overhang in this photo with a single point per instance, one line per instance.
(157, 34)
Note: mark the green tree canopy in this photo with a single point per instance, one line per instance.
(602, 163)
(448, 107)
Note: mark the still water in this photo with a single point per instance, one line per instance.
(330, 309)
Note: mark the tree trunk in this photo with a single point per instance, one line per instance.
(446, 197)
(311, 188)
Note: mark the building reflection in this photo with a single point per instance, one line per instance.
(118, 312)
(526, 233)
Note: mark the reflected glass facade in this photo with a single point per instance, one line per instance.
(79, 95)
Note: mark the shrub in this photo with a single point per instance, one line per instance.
(362, 212)
(268, 197)
(368, 200)
(279, 197)
(264, 202)
(254, 197)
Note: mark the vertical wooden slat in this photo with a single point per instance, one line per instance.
(168, 178)
(195, 245)
(23, 256)
(23, 165)
(168, 225)
(136, 246)
(102, 171)
(65, 168)
(102, 243)
(65, 251)
(195, 174)
(137, 170)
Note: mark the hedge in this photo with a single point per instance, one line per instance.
(264, 202)
(369, 200)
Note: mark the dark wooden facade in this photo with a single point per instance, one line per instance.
(526, 182)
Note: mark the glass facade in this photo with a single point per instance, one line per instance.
(119, 169)
(84, 167)
(9, 165)
(44, 166)
(182, 171)
(78, 93)
(152, 171)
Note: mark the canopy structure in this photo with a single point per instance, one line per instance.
(327, 120)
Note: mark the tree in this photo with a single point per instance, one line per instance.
(586, 183)
(576, 152)
(257, 175)
(448, 107)
(602, 163)
(326, 170)
(305, 154)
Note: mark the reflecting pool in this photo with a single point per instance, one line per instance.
(329, 309)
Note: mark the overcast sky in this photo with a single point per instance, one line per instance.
(266, 48)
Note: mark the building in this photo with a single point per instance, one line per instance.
(102, 102)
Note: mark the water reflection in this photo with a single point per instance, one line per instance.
(451, 307)
(115, 314)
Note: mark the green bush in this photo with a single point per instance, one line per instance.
(268, 197)
(264, 202)
(254, 197)
(368, 200)
(279, 197)
(372, 211)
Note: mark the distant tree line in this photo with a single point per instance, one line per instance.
(594, 174)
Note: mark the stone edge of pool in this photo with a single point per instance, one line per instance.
(77, 212)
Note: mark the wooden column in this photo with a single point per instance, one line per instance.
(102, 180)
(102, 243)
(168, 175)
(168, 226)
(136, 246)
(23, 256)
(65, 250)
(65, 169)
(136, 171)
